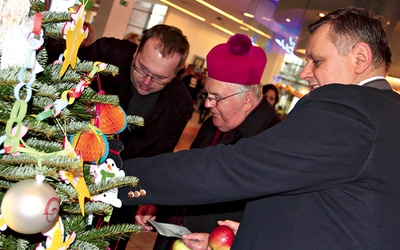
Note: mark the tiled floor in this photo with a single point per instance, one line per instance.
(145, 240)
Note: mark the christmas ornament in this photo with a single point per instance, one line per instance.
(12, 15)
(55, 238)
(3, 224)
(77, 180)
(30, 206)
(111, 119)
(75, 34)
(91, 145)
(108, 170)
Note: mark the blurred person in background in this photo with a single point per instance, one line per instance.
(271, 93)
(132, 37)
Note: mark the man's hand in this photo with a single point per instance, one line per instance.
(230, 223)
(196, 241)
(145, 213)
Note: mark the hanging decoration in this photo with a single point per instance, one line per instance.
(110, 119)
(75, 34)
(12, 15)
(91, 145)
(55, 238)
(77, 180)
(108, 170)
(33, 201)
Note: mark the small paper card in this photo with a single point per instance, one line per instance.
(169, 230)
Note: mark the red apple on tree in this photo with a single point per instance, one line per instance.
(221, 238)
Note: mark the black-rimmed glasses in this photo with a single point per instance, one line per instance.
(214, 101)
(141, 73)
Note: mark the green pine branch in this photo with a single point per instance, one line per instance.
(45, 137)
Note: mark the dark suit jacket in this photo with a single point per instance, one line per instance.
(202, 218)
(327, 177)
(167, 118)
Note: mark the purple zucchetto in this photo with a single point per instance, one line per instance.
(237, 61)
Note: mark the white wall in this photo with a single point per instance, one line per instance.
(112, 18)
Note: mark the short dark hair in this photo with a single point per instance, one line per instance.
(172, 41)
(271, 86)
(351, 25)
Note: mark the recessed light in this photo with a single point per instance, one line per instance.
(248, 15)
(266, 18)
(288, 20)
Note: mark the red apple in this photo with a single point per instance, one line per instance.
(221, 238)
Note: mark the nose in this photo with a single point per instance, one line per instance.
(207, 103)
(147, 80)
(306, 73)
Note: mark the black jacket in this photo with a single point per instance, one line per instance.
(326, 177)
(167, 119)
(203, 218)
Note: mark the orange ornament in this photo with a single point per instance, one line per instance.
(111, 119)
(91, 146)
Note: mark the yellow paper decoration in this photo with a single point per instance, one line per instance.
(78, 182)
(3, 225)
(55, 238)
(74, 37)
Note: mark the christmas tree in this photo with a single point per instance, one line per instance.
(55, 134)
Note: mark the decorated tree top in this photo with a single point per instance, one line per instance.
(56, 136)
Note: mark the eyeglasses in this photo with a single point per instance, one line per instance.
(214, 101)
(140, 72)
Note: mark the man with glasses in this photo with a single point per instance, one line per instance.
(147, 86)
(233, 94)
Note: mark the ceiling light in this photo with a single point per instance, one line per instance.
(183, 10)
(257, 31)
(321, 14)
(223, 29)
(233, 18)
(219, 11)
(244, 28)
(266, 19)
(288, 20)
(248, 15)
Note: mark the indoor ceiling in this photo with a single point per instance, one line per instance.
(270, 17)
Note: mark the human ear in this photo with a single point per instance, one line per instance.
(249, 100)
(362, 57)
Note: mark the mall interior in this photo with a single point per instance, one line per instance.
(277, 26)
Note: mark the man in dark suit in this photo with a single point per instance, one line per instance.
(327, 177)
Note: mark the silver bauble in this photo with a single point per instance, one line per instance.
(30, 207)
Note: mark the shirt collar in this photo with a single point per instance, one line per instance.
(370, 80)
